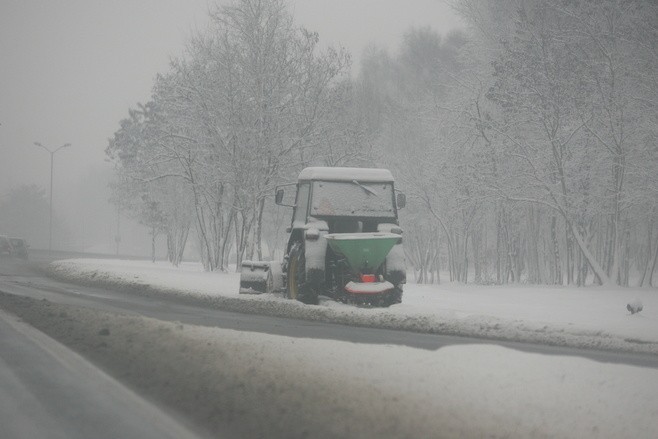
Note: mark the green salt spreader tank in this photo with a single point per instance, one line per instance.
(345, 241)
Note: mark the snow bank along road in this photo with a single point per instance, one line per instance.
(594, 318)
(258, 385)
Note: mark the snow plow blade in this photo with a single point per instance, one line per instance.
(256, 278)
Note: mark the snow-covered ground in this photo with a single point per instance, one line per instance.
(355, 390)
(593, 317)
(467, 391)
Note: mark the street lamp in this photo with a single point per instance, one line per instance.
(52, 155)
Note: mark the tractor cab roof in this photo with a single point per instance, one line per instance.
(346, 174)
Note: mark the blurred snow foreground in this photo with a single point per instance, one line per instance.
(552, 315)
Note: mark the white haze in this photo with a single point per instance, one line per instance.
(71, 70)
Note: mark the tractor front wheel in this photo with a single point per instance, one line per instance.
(298, 288)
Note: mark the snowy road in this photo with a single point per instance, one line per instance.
(50, 392)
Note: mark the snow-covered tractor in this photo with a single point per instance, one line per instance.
(345, 241)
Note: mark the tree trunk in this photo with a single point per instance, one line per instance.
(556, 253)
(499, 239)
(476, 245)
(646, 277)
(259, 229)
(153, 236)
(650, 268)
(653, 267)
(569, 255)
(465, 276)
(224, 252)
(600, 274)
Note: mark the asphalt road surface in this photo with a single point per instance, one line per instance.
(48, 391)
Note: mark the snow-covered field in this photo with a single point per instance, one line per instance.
(392, 391)
(593, 317)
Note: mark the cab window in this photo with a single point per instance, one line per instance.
(301, 205)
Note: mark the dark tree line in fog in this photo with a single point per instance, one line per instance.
(526, 143)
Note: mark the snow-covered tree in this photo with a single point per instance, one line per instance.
(248, 104)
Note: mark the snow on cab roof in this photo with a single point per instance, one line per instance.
(346, 174)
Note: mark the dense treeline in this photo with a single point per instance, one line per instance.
(547, 145)
(527, 143)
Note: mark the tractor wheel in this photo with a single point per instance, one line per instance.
(298, 289)
(392, 298)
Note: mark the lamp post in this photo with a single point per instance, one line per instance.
(52, 156)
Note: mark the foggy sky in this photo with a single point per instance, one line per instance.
(70, 69)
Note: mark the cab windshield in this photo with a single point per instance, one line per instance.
(352, 199)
